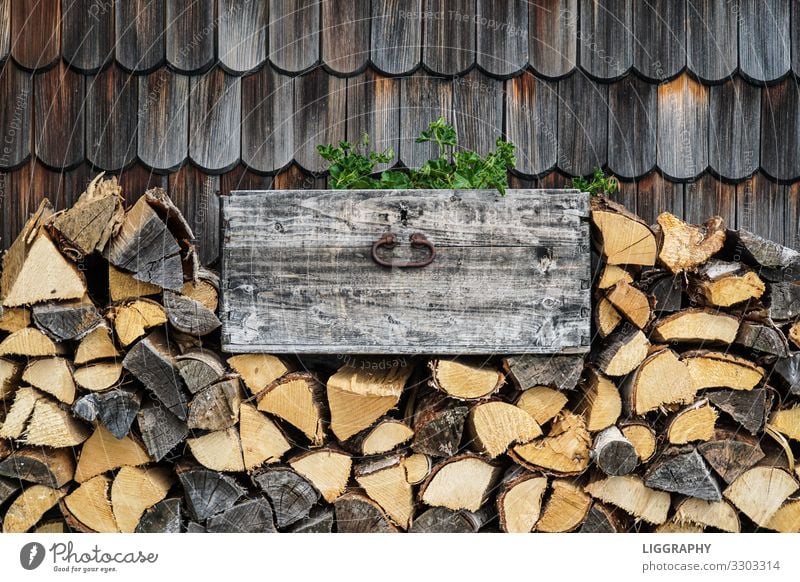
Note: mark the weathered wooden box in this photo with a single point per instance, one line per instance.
(314, 271)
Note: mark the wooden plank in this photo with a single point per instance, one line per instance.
(792, 238)
(632, 127)
(659, 27)
(706, 197)
(449, 32)
(190, 34)
(58, 114)
(656, 194)
(734, 128)
(682, 142)
(215, 114)
(319, 117)
(582, 125)
(267, 129)
(780, 137)
(196, 194)
(139, 33)
(795, 27)
(112, 95)
(16, 94)
(87, 32)
(478, 111)
(711, 46)
(273, 276)
(531, 122)
(294, 34)
(423, 98)
(626, 195)
(764, 53)
(606, 37)
(36, 32)
(163, 119)
(345, 35)
(502, 36)
(396, 36)
(5, 29)
(373, 107)
(553, 37)
(760, 207)
(242, 36)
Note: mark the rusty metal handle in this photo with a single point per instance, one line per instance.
(389, 241)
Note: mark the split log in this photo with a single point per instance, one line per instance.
(20, 412)
(460, 482)
(613, 274)
(14, 318)
(787, 372)
(646, 390)
(542, 403)
(216, 407)
(88, 508)
(749, 409)
(189, 316)
(53, 376)
(262, 440)
(30, 342)
(622, 352)
(519, 501)
(683, 472)
(122, 285)
(384, 481)
(52, 426)
(327, 469)
(606, 317)
(8, 488)
(161, 430)
(220, 450)
(292, 496)
(384, 437)
(30, 507)
(774, 261)
(787, 422)
(623, 239)
(53, 468)
(443, 520)
(163, 517)
(66, 320)
(104, 452)
(730, 288)
(672, 526)
(465, 380)
(695, 423)
(721, 370)
(787, 518)
(357, 513)
(258, 370)
(564, 451)
(438, 426)
(319, 521)
(717, 514)
(96, 345)
(359, 395)
(199, 368)
(135, 490)
(204, 288)
(133, 319)
(696, 326)
(760, 491)
(630, 494)
(99, 376)
(686, 246)
(565, 509)
(10, 373)
(249, 516)
(613, 453)
(667, 289)
(730, 455)
(762, 337)
(152, 362)
(560, 371)
(784, 301)
(600, 519)
(116, 409)
(206, 492)
(14, 258)
(601, 403)
(643, 439)
(296, 398)
(418, 466)
(496, 425)
(631, 303)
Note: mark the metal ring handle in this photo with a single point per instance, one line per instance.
(389, 241)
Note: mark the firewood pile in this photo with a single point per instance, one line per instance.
(121, 414)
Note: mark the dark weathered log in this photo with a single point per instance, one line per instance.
(787, 371)
(161, 430)
(8, 487)
(216, 407)
(784, 301)
(189, 316)
(251, 516)
(748, 408)
(775, 262)
(199, 368)
(685, 473)
(357, 513)
(730, 455)
(438, 426)
(443, 520)
(600, 519)
(163, 517)
(320, 521)
(292, 496)
(116, 409)
(152, 362)
(206, 492)
(613, 453)
(194, 527)
(763, 338)
(66, 320)
(50, 467)
(668, 291)
(622, 351)
(527, 371)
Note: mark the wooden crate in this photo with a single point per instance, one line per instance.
(510, 274)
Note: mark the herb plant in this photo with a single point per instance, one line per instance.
(352, 165)
(598, 184)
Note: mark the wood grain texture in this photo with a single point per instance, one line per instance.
(319, 116)
(294, 34)
(196, 194)
(793, 216)
(267, 126)
(582, 124)
(396, 36)
(606, 37)
(87, 32)
(373, 107)
(139, 33)
(111, 96)
(36, 32)
(632, 125)
(760, 207)
(429, 98)
(553, 37)
(242, 34)
(502, 42)
(345, 35)
(682, 128)
(531, 123)
(780, 117)
(190, 31)
(215, 102)
(659, 48)
(163, 133)
(656, 194)
(478, 111)
(5, 29)
(59, 114)
(708, 196)
(283, 249)
(449, 36)
(16, 94)
(734, 128)
(764, 53)
(711, 38)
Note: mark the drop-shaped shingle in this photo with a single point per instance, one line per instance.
(190, 32)
(423, 99)
(319, 116)
(16, 95)
(606, 37)
(267, 120)
(532, 122)
(140, 34)
(294, 34)
(345, 35)
(711, 39)
(656, 194)
(682, 128)
(25, 188)
(502, 36)
(708, 196)
(36, 32)
(582, 124)
(112, 97)
(215, 116)
(780, 130)
(59, 113)
(163, 134)
(478, 111)
(242, 35)
(449, 32)
(396, 36)
(632, 118)
(553, 37)
(88, 34)
(373, 107)
(734, 127)
(5, 29)
(764, 52)
(659, 38)
(761, 207)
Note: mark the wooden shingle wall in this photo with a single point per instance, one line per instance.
(693, 104)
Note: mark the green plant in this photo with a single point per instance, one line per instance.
(352, 165)
(599, 183)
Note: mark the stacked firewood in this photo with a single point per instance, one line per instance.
(120, 413)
